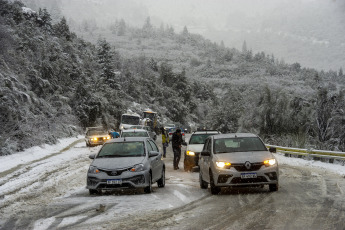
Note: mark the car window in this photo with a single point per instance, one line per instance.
(154, 146)
(135, 134)
(199, 138)
(207, 145)
(122, 149)
(149, 147)
(243, 144)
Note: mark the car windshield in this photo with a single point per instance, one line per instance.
(238, 144)
(122, 149)
(134, 134)
(199, 138)
(136, 127)
(95, 132)
(132, 120)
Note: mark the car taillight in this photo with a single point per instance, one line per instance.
(182, 134)
(170, 133)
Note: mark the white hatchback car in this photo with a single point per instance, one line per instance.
(195, 146)
(237, 159)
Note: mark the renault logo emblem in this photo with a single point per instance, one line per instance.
(247, 165)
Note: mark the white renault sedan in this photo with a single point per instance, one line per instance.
(237, 159)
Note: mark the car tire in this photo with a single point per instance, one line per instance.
(214, 189)
(161, 181)
(273, 187)
(94, 192)
(203, 184)
(148, 189)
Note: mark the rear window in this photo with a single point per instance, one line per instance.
(122, 149)
(199, 138)
(239, 144)
(134, 134)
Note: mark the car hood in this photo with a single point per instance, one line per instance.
(117, 162)
(242, 157)
(197, 148)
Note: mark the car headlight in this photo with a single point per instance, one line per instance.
(270, 162)
(222, 164)
(137, 168)
(93, 170)
(190, 153)
(94, 139)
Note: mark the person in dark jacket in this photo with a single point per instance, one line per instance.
(176, 146)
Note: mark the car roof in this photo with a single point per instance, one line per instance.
(133, 130)
(128, 139)
(234, 135)
(205, 132)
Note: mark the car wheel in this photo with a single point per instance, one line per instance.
(214, 189)
(94, 192)
(203, 184)
(273, 187)
(161, 182)
(148, 189)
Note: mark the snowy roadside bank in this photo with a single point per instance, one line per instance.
(335, 168)
(35, 153)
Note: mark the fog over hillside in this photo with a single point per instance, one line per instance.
(310, 32)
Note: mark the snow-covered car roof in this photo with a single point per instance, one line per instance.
(234, 135)
(125, 139)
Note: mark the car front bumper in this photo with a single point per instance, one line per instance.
(231, 177)
(128, 180)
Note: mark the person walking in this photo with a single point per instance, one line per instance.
(165, 141)
(176, 146)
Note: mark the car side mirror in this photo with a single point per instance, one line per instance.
(205, 153)
(272, 150)
(92, 156)
(153, 154)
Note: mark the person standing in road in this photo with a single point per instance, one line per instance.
(176, 146)
(165, 141)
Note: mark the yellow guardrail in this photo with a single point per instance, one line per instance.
(309, 153)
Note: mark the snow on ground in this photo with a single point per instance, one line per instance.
(59, 172)
(35, 153)
(335, 168)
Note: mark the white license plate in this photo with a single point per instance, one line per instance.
(117, 181)
(248, 175)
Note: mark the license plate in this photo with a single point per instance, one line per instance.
(117, 181)
(248, 175)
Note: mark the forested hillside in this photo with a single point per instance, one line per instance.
(54, 84)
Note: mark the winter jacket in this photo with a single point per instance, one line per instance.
(165, 138)
(176, 140)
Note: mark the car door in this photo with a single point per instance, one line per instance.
(155, 161)
(205, 161)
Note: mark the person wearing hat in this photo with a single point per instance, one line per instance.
(176, 146)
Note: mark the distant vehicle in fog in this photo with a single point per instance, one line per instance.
(96, 136)
(129, 119)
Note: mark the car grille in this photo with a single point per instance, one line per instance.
(115, 172)
(242, 167)
(239, 180)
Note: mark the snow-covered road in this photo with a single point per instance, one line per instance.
(44, 188)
